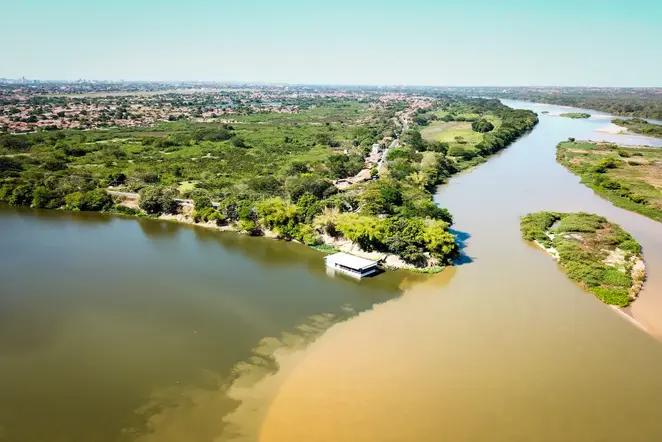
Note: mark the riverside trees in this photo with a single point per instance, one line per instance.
(277, 178)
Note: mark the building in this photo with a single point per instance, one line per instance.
(351, 265)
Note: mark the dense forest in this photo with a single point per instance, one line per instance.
(265, 172)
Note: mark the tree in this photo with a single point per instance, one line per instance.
(309, 183)
(482, 126)
(21, 195)
(343, 166)
(439, 241)
(278, 215)
(94, 200)
(201, 199)
(9, 167)
(366, 231)
(381, 197)
(414, 139)
(158, 200)
(265, 184)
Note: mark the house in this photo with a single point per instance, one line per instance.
(351, 265)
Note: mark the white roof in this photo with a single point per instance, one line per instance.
(354, 262)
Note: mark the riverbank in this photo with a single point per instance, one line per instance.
(533, 346)
(628, 176)
(639, 126)
(328, 244)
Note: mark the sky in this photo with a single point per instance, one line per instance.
(412, 42)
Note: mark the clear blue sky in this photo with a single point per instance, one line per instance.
(553, 42)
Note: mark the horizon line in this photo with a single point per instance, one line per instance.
(281, 83)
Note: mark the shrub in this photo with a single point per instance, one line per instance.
(366, 231)
(44, 198)
(249, 226)
(278, 215)
(462, 152)
(21, 195)
(311, 184)
(10, 167)
(201, 199)
(343, 166)
(535, 225)
(307, 235)
(94, 200)
(381, 197)
(579, 222)
(612, 295)
(482, 126)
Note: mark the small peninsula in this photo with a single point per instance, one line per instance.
(599, 255)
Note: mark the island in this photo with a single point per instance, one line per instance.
(640, 126)
(628, 176)
(337, 170)
(575, 115)
(597, 254)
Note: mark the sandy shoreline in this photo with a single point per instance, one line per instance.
(613, 129)
(624, 312)
(389, 261)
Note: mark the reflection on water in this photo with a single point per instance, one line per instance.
(110, 327)
(508, 349)
(197, 412)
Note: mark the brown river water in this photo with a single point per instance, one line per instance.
(114, 329)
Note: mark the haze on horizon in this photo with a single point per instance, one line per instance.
(525, 43)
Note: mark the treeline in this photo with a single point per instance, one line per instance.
(640, 126)
(631, 102)
(514, 123)
(262, 173)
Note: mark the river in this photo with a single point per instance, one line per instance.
(105, 322)
(116, 329)
(501, 348)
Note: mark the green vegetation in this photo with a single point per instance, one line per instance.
(628, 177)
(575, 115)
(631, 102)
(643, 127)
(469, 131)
(597, 254)
(269, 173)
(482, 125)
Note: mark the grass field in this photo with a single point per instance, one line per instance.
(629, 177)
(448, 131)
(459, 135)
